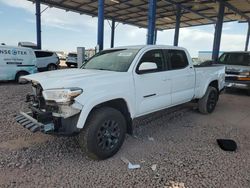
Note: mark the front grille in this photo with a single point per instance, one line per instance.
(231, 78)
(38, 97)
(232, 73)
(39, 102)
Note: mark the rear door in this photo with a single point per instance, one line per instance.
(153, 89)
(182, 75)
(43, 58)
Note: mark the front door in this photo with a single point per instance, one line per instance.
(153, 89)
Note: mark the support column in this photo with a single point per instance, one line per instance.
(112, 33)
(151, 21)
(100, 32)
(177, 25)
(247, 39)
(218, 31)
(38, 25)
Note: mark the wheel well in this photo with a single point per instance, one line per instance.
(215, 84)
(120, 105)
(19, 72)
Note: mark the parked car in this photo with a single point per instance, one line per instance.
(71, 59)
(100, 100)
(237, 69)
(16, 62)
(46, 60)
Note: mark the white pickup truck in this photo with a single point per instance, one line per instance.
(100, 100)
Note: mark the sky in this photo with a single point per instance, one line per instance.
(65, 31)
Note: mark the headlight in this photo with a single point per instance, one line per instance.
(61, 95)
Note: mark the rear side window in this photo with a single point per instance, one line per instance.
(43, 54)
(154, 56)
(177, 59)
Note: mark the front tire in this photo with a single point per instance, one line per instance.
(208, 102)
(103, 134)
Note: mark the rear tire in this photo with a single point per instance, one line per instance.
(103, 134)
(52, 67)
(208, 102)
(20, 80)
(248, 92)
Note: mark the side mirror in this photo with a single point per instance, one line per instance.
(147, 67)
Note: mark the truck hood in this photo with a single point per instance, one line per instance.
(237, 68)
(68, 77)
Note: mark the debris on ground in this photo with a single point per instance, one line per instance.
(173, 184)
(227, 144)
(151, 138)
(153, 167)
(133, 166)
(130, 165)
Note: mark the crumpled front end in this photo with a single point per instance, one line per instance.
(49, 116)
(237, 79)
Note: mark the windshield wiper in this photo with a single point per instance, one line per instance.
(103, 69)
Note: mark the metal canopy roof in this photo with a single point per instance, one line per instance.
(135, 12)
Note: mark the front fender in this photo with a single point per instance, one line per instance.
(88, 106)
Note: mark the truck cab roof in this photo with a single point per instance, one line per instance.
(139, 47)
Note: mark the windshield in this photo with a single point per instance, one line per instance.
(72, 55)
(113, 60)
(235, 59)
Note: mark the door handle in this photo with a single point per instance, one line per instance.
(166, 79)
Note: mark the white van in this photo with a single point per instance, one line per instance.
(16, 62)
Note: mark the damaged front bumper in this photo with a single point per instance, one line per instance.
(61, 119)
(28, 122)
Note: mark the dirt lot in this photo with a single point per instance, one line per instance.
(180, 144)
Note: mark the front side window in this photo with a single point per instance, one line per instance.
(112, 60)
(177, 59)
(222, 58)
(153, 56)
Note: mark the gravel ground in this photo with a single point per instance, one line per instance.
(174, 148)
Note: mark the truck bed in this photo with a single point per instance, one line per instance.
(208, 73)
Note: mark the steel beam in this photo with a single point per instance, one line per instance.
(38, 25)
(218, 31)
(247, 39)
(151, 21)
(177, 25)
(112, 33)
(100, 32)
(228, 5)
(190, 10)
